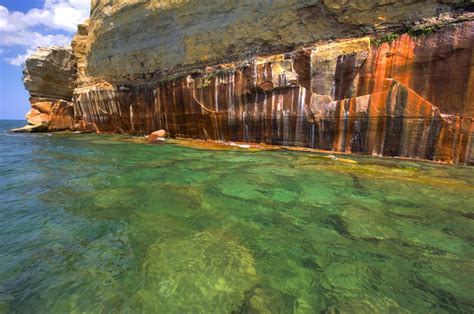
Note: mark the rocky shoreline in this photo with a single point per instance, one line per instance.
(406, 94)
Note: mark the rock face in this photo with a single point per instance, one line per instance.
(134, 37)
(50, 73)
(49, 77)
(331, 75)
(79, 50)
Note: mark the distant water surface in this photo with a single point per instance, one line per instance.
(95, 223)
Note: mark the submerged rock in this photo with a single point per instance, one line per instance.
(365, 304)
(207, 271)
(347, 285)
(267, 301)
(368, 224)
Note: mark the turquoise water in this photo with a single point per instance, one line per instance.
(97, 223)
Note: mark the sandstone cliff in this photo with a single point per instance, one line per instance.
(391, 78)
(160, 37)
(49, 77)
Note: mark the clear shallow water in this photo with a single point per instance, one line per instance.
(96, 224)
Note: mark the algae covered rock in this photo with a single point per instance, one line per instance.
(449, 282)
(267, 301)
(369, 304)
(207, 272)
(368, 224)
(346, 278)
(347, 286)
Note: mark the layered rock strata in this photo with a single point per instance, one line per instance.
(407, 98)
(49, 77)
(247, 73)
(131, 38)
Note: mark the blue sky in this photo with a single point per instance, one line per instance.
(24, 26)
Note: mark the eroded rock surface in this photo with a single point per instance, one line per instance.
(293, 73)
(50, 73)
(130, 38)
(346, 96)
(49, 77)
(200, 273)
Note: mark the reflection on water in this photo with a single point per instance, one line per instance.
(97, 224)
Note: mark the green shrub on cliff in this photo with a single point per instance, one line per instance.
(385, 39)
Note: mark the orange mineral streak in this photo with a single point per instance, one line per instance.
(453, 142)
(62, 116)
(35, 117)
(418, 114)
(376, 122)
(468, 107)
(391, 61)
(339, 141)
(391, 100)
(352, 113)
(401, 65)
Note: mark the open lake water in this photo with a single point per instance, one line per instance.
(98, 223)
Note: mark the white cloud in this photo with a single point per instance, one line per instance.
(53, 25)
(33, 39)
(66, 14)
(20, 59)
